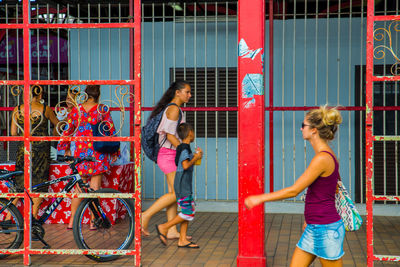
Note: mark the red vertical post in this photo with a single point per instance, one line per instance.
(368, 131)
(251, 21)
(137, 43)
(271, 95)
(27, 154)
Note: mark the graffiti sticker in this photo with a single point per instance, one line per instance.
(245, 52)
(252, 84)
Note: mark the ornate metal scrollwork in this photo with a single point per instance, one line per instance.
(77, 96)
(36, 117)
(382, 34)
(122, 95)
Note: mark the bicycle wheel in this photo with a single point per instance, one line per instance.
(114, 222)
(11, 231)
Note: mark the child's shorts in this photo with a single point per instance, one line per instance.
(166, 160)
(323, 240)
(186, 205)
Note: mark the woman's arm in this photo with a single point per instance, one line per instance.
(173, 140)
(14, 129)
(173, 115)
(53, 119)
(317, 166)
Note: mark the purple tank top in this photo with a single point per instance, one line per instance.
(320, 199)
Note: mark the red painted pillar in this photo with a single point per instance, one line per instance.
(251, 20)
(368, 131)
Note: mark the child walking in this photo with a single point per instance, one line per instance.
(184, 160)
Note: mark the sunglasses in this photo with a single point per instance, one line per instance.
(304, 125)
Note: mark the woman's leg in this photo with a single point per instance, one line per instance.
(328, 263)
(301, 258)
(8, 216)
(95, 183)
(166, 201)
(74, 206)
(171, 209)
(35, 206)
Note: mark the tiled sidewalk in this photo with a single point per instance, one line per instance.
(216, 233)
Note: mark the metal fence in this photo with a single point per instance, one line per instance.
(41, 45)
(318, 50)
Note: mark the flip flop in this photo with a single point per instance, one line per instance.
(190, 245)
(160, 236)
(188, 237)
(69, 228)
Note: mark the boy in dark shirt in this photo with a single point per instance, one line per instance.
(184, 161)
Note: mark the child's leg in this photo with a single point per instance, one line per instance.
(183, 242)
(163, 228)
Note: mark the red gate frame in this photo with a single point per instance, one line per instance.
(370, 138)
(135, 130)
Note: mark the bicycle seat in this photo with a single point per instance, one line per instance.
(5, 175)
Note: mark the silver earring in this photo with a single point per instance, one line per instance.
(41, 101)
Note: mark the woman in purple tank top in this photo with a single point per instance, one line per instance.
(324, 231)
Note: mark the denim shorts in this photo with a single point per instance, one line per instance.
(323, 240)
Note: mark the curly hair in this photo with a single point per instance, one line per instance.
(325, 120)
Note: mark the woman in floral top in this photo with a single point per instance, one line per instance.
(80, 121)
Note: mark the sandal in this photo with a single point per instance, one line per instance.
(161, 236)
(189, 245)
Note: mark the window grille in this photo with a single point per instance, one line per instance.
(386, 123)
(211, 87)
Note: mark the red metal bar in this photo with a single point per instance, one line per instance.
(68, 26)
(73, 195)
(384, 18)
(368, 131)
(385, 78)
(390, 198)
(271, 95)
(111, 109)
(27, 162)
(138, 121)
(305, 108)
(348, 108)
(71, 82)
(251, 22)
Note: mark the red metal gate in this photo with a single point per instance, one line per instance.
(135, 118)
(372, 19)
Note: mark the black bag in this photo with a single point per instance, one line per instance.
(103, 146)
(150, 143)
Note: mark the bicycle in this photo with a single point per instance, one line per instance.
(115, 233)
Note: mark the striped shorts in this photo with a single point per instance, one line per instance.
(186, 206)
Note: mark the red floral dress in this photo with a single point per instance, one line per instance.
(85, 148)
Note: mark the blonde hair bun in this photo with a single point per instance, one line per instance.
(330, 116)
(326, 120)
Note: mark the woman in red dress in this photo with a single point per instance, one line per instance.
(80, 121)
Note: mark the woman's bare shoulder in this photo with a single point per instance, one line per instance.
(172, 112)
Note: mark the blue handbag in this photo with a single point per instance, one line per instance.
(103, 146)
